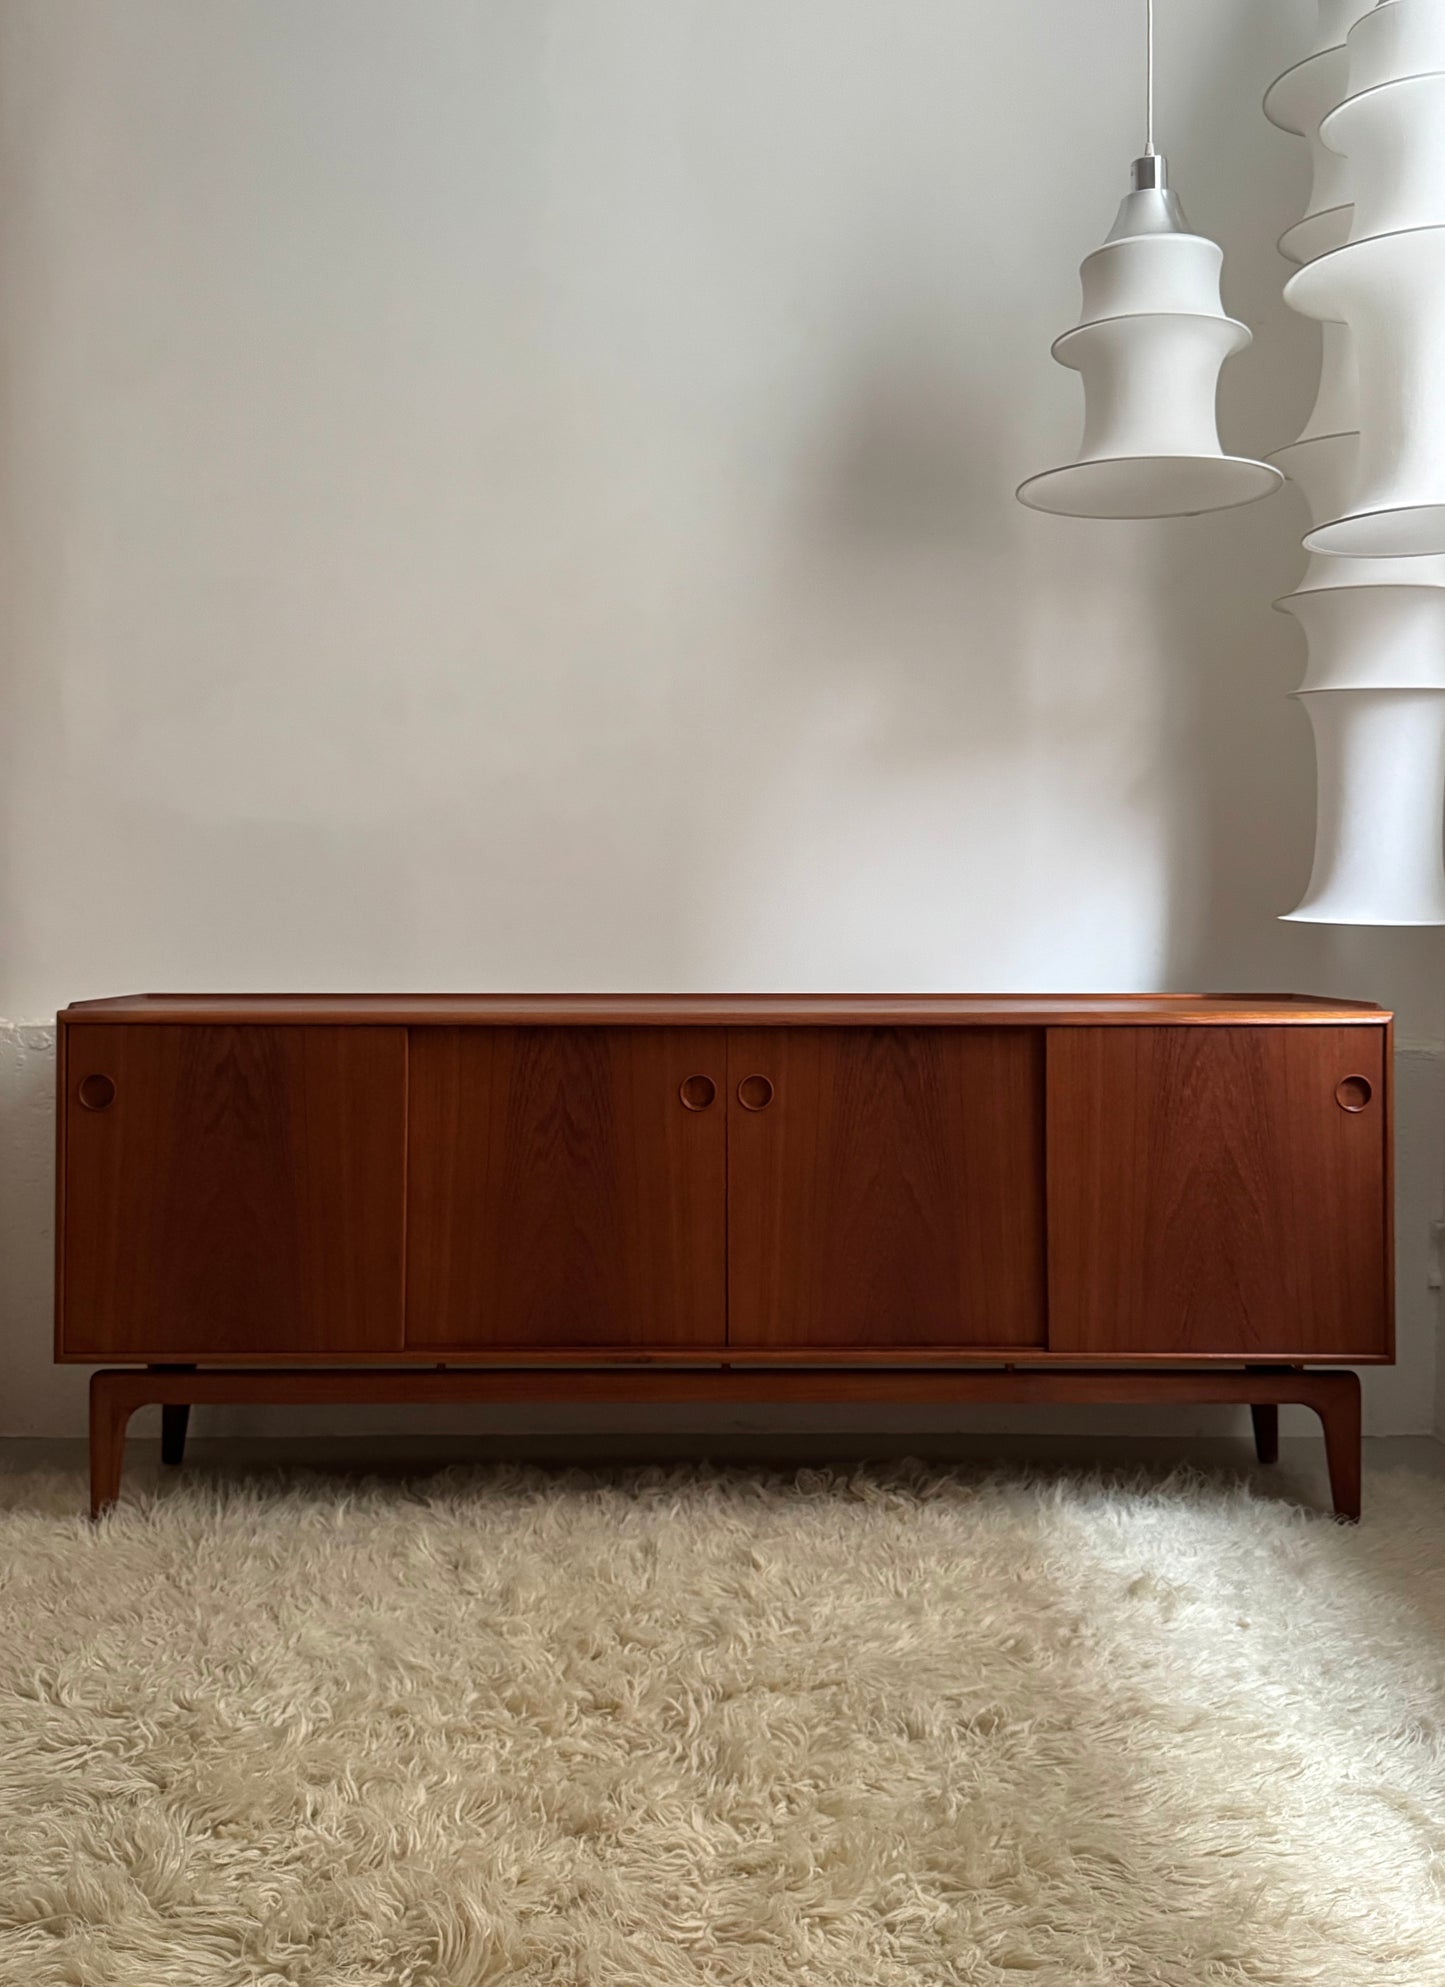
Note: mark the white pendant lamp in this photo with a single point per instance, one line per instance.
(1374, 687)
(1299, 101)
(1151, 342)
(1322, 463)
(1389, 637)
(1374, 691)
(1390, 291)
(1381, 758)
(1387, 283)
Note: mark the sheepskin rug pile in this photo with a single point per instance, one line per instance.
(856, 1730)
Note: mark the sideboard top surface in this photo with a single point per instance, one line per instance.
(722, 1010)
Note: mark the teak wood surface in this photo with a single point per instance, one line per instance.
(728, 1010)
(285, 1193)
(116, 1394)
(909, 1186)
(889, 1191)
(1207, 1189)
(242, 1193)
(568, 1187)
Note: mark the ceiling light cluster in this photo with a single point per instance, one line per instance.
(1369, 97)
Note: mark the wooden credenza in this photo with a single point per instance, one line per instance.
(924, 1198)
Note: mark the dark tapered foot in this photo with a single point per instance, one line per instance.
(174, 1421)
(1338, 1407)
(1265, 1417)
(110, 1410)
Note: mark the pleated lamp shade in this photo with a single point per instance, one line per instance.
(1322, 461)
(1390, 40)
(1299, 101)
(1386, 637)
(1390, 291)
(1374, 622)
(1323, 464)
(1374, 691)
(1389, 142)
(1151, 342)
(1381, 760)
(1387, 283)
(1336, 18)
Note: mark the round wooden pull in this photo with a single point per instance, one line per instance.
(755, 1093)
(1352, 1093)
(696, 1092)
(96, 1092)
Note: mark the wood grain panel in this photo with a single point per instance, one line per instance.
(241, 1193)
(562, 1193)
(891, 1192)
(1209, 1194)
(728, 1010)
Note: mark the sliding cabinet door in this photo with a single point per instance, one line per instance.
(232, 1190)
(885, 1189)
(567, 1189)
(1219, 1190)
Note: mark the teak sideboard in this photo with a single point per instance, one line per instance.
(833, 1198)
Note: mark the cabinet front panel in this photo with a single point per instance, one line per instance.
(567, 1188)
(233, 1190)
(886, 1188)
(1218, 1190)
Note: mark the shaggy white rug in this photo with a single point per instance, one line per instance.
(725, 1728)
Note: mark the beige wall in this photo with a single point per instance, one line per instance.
(517, 493)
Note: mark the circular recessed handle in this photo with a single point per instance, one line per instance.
(1352, 1093)
(755, 1093)
(696, 1092)
(96, 1092)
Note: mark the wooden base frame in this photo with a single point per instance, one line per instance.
(116, 1393)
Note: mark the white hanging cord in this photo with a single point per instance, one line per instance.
(1148, 79)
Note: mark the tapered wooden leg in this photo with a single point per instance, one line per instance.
(1265, 1416)
(1337, 1403)
(174, 1421)
(110, 1410)
(115, 1394)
